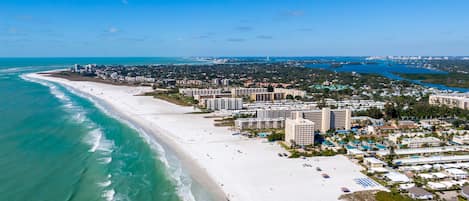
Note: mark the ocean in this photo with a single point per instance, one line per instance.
(57, 145)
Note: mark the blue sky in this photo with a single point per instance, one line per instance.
(62, 28)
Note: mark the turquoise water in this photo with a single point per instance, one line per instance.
(56, 145)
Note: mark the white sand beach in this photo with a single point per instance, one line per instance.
(243, 169)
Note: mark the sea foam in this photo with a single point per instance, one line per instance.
(109, 195)
(105, 184)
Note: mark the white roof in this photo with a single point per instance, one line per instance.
(427, 167)
(355, 151)
(406, 186)
(450, 165)
(379, 169)
(449, 184)
(432, 159)
(416, 168)
(423, 150)
(439, 175)
(426, 176)
(455, 171)
(436, 185)
(373, 160)
(397, 177)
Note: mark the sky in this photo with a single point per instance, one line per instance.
(139, 28)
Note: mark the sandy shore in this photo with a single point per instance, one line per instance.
(229, 166)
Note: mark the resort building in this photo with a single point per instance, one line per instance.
(299, 131)
(224, 104)
(195, 91)
(327, 119)
(240, 92)
(292, 92)
(417, 142)
(267, 96)
(459, 100)
(254, 123)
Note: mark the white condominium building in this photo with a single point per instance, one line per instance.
(239, 92)
(341, 119)
(327, 119)
(224, 103)
(195, 91)
(274, 113)
(292, 92)
(460, 100)
(299, 131)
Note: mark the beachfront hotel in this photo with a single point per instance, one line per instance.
(451, 100)
(299, 131)
(326, 119)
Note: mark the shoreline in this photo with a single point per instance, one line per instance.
(196, 173)
(228, 167)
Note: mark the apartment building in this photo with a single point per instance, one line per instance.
(195, 91)
(299, 131)
(460, 100)
(254, 123)
(240, 92)
(267, 96)
(224, 104)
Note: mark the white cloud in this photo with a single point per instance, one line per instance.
(113, 30)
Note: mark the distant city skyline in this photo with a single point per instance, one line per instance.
(142, 28)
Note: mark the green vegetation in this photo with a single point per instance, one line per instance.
(173, 97)
(450, 79)
(276, 136)
(406, 107)
(326, 152)
(391, 196)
